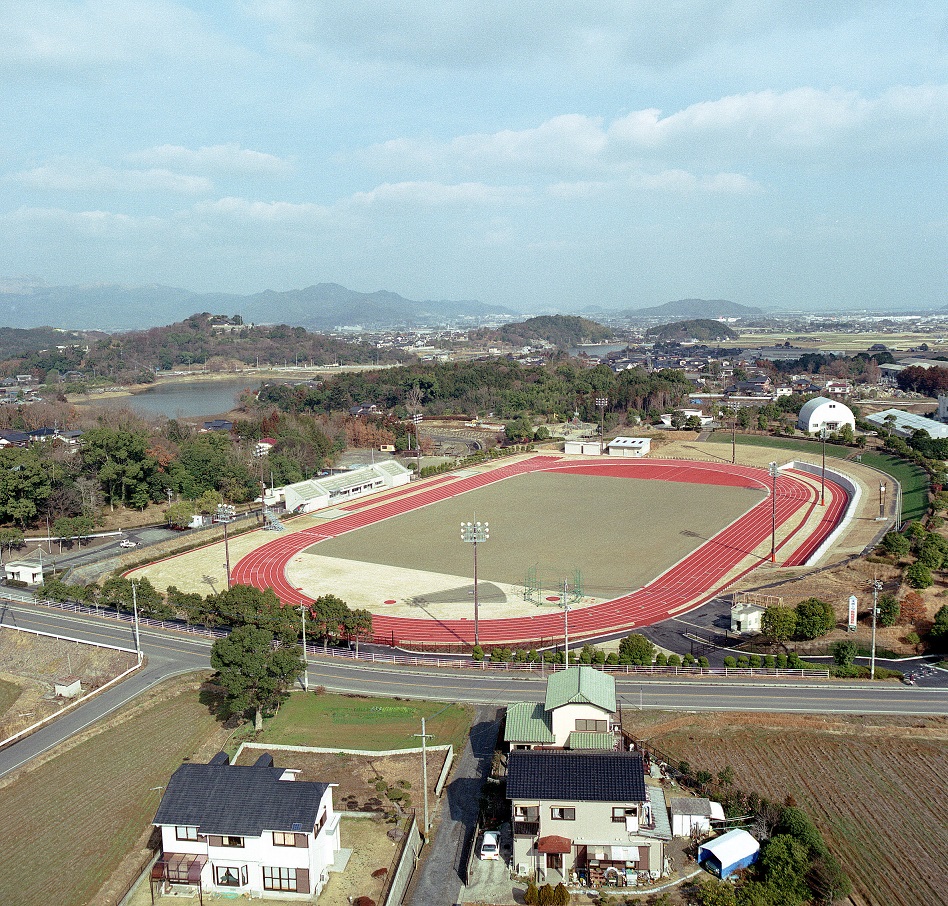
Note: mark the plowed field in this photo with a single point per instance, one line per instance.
(874, 786)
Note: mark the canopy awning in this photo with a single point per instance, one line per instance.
(554, 844)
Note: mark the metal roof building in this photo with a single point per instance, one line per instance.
(905, 424)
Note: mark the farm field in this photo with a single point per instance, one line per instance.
(873, 785)
(352, 722)
(843, 341)
(67, 824)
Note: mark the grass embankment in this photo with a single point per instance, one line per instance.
(914, 479)
(352, 722)
(66, 825)
(9, 693)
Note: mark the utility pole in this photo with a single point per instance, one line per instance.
(424, 769)
(566, 610)
(138, 644)
(876, 585)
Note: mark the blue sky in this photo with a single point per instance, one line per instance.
(537, 155)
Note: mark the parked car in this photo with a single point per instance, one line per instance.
(490, 848)
(125, 542)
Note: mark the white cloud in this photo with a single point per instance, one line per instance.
(740, 129)
(433, 194)
(453, 34)
(88, 176)
(95, 224)
(274, 212)
(216, 159)
(68, 33)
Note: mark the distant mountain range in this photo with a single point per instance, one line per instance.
(31, 303)
(695, 309)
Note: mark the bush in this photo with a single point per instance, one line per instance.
(754, 660)
(546, 895)
(688, 660)
(743, 662)
(730, 661)
(844, 653)
(612, 659)
(661, 660)
(919, 576)
(674, 660)
(531, 895)
(636, 649)
(814, 618)
(781, 662)
(896, 543)
(477, 653)
(769, 661)
(560, 895)
(703, 662)
(889, 610)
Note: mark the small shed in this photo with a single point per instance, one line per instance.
(28, 571)
(728, 853)
(746, 617)
(583, 448)
(692, 813)
(635, 447)
(67, 687)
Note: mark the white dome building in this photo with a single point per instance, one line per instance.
(822, 412)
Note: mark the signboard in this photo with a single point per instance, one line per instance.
(852, 612)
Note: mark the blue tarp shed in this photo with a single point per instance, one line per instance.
(729, 853)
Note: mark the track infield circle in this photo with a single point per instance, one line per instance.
(696, 566)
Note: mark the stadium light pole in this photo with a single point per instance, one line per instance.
(773, 531)
(305, 662)
(882, 500)
(602, 402)
(475, 533)
(823, 472)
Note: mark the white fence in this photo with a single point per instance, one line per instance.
(456, 663)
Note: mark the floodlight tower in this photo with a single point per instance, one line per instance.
(475, 533)
(601, 402)
(773, 495)
(823, 471)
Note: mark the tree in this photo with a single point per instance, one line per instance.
(531, 895)
(245, 605)
(814, 618)
(24, 482)
(896, 543)
(844, 653)
(9, 539)
(636, 649)
(253, 672)
(919, 576)
(117, 593)
(560, 895)
(827, 880)
(889, 610)
(715, 893)
(939, 631)
(912, 607)
(784, 863)
(181, 513)
(779, 623)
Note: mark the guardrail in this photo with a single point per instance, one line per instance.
(401, 660)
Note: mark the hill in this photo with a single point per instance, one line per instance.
(699, 329)
(321, 307)
(694, 308)
(562, 331)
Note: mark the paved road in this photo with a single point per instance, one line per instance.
(440, 878)
(169, 653)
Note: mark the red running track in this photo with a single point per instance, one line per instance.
(693, 580)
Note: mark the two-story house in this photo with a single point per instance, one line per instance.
(586, 815)
(578, 712)
(250, 829)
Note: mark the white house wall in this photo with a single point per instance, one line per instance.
(564, 719)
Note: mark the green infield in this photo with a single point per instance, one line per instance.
(913, 478)
(352, 722)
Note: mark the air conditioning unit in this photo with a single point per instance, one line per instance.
(522, 869)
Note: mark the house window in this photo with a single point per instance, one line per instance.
(321, 822)
(282, 839)
(592, 726)
(558, 813)
(232, 841)
(227, 876)
(620, 814)
(279, 878)
(186, 833)
(527, 812)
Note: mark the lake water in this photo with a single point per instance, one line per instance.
(183, 399)
(598, 349)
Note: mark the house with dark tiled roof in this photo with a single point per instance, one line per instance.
(586, 816)
(577, 712)
(247, 830)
